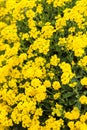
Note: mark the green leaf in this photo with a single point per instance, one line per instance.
(68, 94)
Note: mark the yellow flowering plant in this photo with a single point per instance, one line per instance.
(43, 64)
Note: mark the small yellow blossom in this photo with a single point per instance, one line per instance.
(73, 115)
(47, 83)
(57, 95)
(84, 81)
(39, 9)
(54, 60)
(57, 110)
(83, 99)
(56, 85)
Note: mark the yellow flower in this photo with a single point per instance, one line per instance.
(39, 61)
(84, 81)
(71, 125)
(52, 123)
(56, 85)
(34, 32)
(40, 93)
(73, 115)
(72, 85)
(60, 2)
(66, 77)
(28, 73)
(41, 45)
(66, 67)
(47, 83)
(35, 82)
(79, 52)
(83, 126)
(5, 121)
(31, 23)
(72, 29)
(67, 74)
(54, 60)
(57, 110)
(38, 73)
(83, 118)
(83, 61)
(25, 36)
(30, 13)
(12, 83)
(30, 91)
(26, 120)
(78, 125)
(83, 99)
(10, 33)
(39, 9)
(57, 95)
(49, 1)
(47, 30)
(10, 4)
(3, 127)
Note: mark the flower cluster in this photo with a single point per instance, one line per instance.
(43, 64)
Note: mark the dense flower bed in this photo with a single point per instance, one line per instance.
(43, 64)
